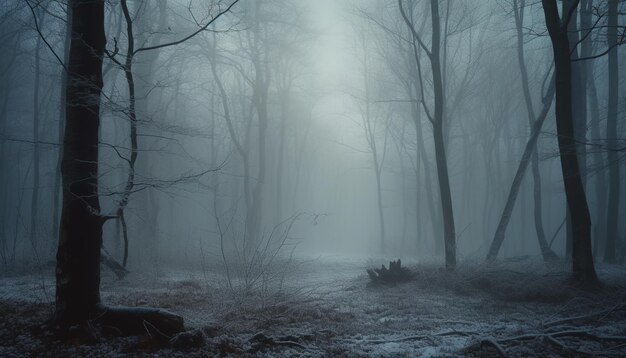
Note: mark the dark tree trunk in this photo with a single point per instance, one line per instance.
(612, 214)
(449, 234)
(582, 260)
(579, 103)
(80, 234)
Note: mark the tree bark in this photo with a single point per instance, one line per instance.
(579, 103)
(582, 260)
(80, 234)
(613, 141)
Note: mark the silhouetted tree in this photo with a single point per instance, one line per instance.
(436, 117)
(80, 234)
(582, 259)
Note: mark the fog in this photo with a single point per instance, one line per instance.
(237, 134)
(313, 57)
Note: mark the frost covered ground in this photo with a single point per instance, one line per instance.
(324, 307)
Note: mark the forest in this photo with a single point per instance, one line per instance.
(329, 178)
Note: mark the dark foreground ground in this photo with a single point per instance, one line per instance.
(325, 307)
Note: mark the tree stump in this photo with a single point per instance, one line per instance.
(395, 274)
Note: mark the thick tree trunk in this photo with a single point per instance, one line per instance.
(80, 234)
(582, 260)
(613, 141)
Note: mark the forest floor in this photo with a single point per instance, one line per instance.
(325, 307)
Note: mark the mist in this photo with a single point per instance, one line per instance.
(332, 169)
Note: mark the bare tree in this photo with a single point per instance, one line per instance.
(582, 259)
(127, 67)
(436, 117)
(78, 256)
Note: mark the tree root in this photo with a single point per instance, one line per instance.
(157, 323)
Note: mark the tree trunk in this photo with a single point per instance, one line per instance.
(449, 234)
(613, 140)
(582, 260)
(579, 103)
(80, 234)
